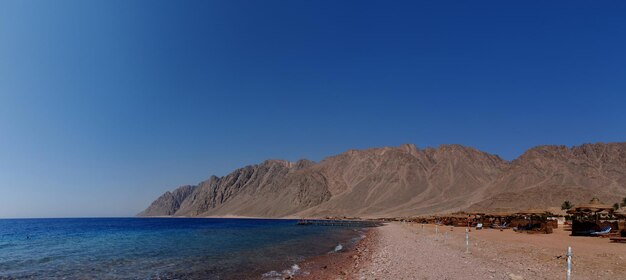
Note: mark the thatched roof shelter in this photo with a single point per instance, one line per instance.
(536, 212)
(588, 217)
(500, 214)
(594, 206)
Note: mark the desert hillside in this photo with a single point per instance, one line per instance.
(405, 180)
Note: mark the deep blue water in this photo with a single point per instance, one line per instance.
(160, 248)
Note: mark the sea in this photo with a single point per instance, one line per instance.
(164, 248)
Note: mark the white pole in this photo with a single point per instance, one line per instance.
(569, 263)
(466, 240)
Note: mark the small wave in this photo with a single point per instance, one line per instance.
(6, 245)
(293, 270)
(356, 239)
(338, 248)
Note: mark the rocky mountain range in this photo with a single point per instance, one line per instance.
(406, 181)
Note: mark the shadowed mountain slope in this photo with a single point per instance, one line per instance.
(168, 203)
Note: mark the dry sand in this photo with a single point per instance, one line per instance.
(406, 251)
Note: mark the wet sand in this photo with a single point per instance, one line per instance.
(341, 265)
(406, 251)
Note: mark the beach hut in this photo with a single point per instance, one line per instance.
(476, 219)
(464, 219)
(556, 216)
(534, 221)
(457, 219)
(499, 220)
(592, 219)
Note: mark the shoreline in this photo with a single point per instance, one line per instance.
(215, 217)
(344, 264)
(410, 251)
(250, 217)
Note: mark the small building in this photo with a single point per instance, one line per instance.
(534, 221)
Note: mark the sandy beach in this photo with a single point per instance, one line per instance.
(410, 251)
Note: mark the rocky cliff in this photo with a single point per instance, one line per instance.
(168, 203)
(405, 180)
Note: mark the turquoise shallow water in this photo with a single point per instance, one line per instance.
(161, 248)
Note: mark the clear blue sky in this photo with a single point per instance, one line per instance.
(104, 105)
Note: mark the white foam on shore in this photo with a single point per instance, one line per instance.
(338, 248)
(293, 270)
